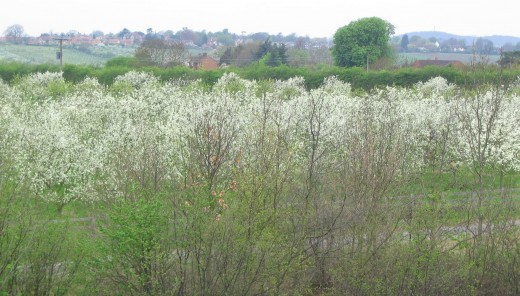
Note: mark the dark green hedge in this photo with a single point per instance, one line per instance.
(357, 77)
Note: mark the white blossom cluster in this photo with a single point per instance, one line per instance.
(436, 85)
(88, 141)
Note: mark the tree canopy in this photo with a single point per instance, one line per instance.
(484, 46)
(273, 54)
(14, 32)
(404, 43)
(157, 52)
(362, 38)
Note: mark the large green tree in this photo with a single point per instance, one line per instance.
(362, 38)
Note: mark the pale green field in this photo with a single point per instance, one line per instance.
(465, 58)
(47, 54)
(91, 55)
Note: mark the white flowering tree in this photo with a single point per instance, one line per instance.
(88, 141)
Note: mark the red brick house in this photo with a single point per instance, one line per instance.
(203, 62)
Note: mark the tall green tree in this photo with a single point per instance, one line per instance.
(273, 59)
(277, 55)
(366, 37)
(227, 57)
(404, 43)
(282, 52)
(264, 49)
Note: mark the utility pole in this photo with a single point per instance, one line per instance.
(59, 54)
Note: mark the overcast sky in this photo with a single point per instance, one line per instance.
(313, 18)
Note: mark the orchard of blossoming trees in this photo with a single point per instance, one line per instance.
(258, 187)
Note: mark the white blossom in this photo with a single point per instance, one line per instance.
(87, 141)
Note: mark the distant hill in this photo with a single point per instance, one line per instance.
(497, 40)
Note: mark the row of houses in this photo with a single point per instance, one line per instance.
(80, 39)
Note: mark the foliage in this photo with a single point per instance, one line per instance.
(510, 59)
(314, 77)
(14, 32)
(132, 248)
(128, 62)
(404, 43)
(240, 187)
(484, 46)
(39, 256)
(241, 55)
(157, 52)
(366, 38)
(272, 54)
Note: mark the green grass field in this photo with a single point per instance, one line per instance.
(47, 54)
(465, 58)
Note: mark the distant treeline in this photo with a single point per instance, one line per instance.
(358, 78)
